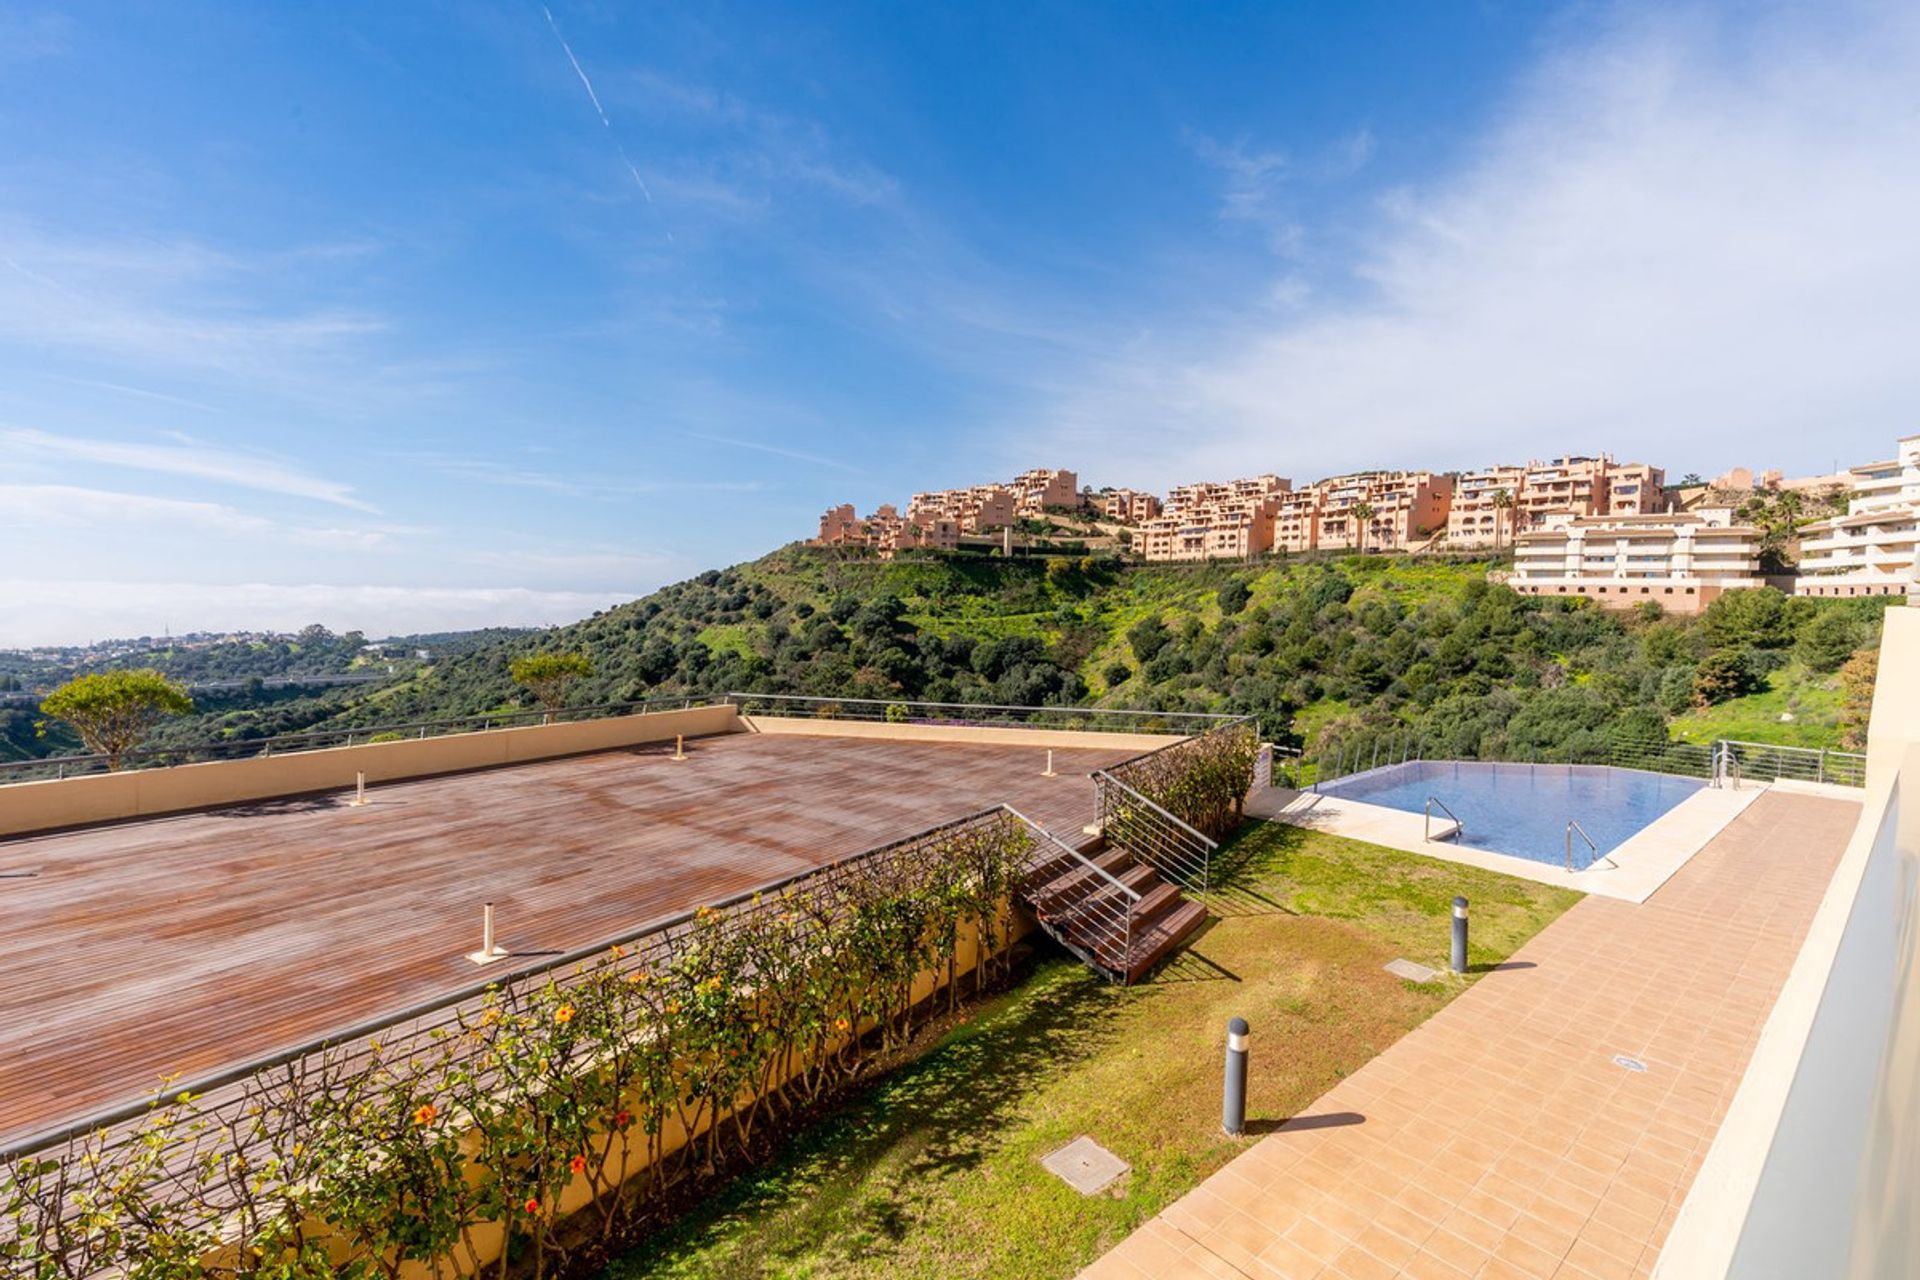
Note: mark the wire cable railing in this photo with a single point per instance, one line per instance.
(1164, 841)
(1768, 762)
(1081, 904)
(80, 765)
(977, 714)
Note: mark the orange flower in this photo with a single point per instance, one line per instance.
(578, 1164)
(533, 1206)
(842, 1025)
(563, 1015)
(618, 951)
(424, 1116)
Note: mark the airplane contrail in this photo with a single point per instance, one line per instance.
(594, 98)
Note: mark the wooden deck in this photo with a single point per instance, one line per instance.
(178, 946)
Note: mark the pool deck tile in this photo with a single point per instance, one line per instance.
(1500, 1139)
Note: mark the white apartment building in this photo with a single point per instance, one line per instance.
(1874, 549)
(1681, 561)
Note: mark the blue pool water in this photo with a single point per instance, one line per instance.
(1522, 809)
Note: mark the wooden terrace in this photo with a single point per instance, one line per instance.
(183, 945)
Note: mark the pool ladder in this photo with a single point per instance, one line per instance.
(1459, 827)
(1572, 827)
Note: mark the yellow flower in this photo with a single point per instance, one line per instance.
(563, 1015)
(424, 1116)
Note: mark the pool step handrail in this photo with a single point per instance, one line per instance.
(1459, 827)
(1573, 826)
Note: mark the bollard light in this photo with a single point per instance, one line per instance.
(489, 950)
(1233, 1098)
(1459, 935)
(679, 746)
(359, 789)
(1049, 773)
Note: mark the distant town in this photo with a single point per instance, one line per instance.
(1614, 532)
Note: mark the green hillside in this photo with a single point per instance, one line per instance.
(1322, 650)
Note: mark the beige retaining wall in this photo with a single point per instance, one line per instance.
(1009, 736)
(108, 797)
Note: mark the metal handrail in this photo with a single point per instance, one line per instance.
(1133, 895)
(241, 748)
(1459, 827)
(1573, 826)
(1191, 862)
(1091, 904)
(883, 703)
(1174, 818)
(1224, 722)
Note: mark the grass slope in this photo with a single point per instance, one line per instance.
(934, 1171)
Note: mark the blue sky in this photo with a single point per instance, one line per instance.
(431, 315)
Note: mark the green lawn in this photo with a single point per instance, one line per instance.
(933, 1171)
(1811, 699)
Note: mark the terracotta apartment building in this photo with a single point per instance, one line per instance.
(886, 530)
(939, 518)
(1127, 506)
(1229, 521)
(1493, 504)
(1382, 510)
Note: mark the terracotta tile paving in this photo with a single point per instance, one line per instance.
(1500, 1139)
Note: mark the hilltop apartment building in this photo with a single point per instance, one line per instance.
(886, 530)
(1680, 561)
(938, 519)
(1874, 549)
(1493, 504)
(1127, 506)
(1229, 521)
(1382, 510)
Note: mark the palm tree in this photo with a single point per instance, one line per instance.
(1362, 512)
(1502, 501)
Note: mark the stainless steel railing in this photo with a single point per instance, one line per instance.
(68, 766)
(1161, 839)
(1459, 827)
(1093, 894)
(1572, 828)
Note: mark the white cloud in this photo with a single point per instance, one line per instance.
(31, 506)
(190, 458)
(34, 507)
(64, 612)
(1691, 239)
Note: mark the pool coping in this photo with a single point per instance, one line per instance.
(1632, 872)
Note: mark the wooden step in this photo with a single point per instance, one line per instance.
(1161, 936)
(1075, 878)
(1099, 896)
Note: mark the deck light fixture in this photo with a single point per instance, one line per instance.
(490, 950)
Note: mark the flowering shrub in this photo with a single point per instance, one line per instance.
(1202, 780)
(542, 1120)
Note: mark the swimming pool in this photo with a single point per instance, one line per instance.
(1523, 809)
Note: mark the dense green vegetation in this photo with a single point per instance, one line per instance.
(1322, 650)
(1318, 649)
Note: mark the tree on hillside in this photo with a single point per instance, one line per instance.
(1828, 641)
(113, 710)
(1757, 617)
(1856, 705)
(1502, 507)
(550, 676)
(1724, 674)
(1362, 513)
